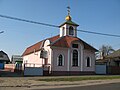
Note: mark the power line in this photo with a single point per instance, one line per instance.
(29, 21)
(34, 22)
(105, 34)
(1, 32)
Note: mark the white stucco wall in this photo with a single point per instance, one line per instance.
(33, 60)
(66, 30)
(48, 49)
(53, 54)
(80, 56)
(56, 52)
(91, 54)
(67, 52)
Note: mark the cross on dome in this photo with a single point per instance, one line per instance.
(68, 10)
(68, 17)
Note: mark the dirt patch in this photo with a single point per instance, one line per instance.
(34, 82)
(1, 81)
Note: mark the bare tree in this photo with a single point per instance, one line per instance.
(104, 51)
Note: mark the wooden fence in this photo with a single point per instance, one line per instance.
(113, 70)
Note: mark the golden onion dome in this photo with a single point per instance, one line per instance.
(68, 18)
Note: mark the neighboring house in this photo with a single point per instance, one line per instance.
(114, 58)
(4, 59)
(64, 54)
(15, 65)
(112, 62)
(16, 59)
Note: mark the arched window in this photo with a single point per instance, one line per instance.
(88, 62)
(71, 31)
(60, 60)
(75, 58)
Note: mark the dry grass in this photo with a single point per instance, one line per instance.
(79, 78)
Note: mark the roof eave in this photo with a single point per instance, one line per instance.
(68, 23)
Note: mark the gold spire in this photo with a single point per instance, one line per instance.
(68, 17)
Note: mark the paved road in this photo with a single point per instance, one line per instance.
(113, 86)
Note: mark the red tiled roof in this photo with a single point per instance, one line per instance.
(57, 41)
(64, 41)
(37, 46)
(32, 48)
(52, 39)
(67, 40)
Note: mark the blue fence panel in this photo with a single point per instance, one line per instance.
(1, 65)
(100, 69)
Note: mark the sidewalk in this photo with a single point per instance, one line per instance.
(23, 83)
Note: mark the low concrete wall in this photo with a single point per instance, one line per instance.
(33, 71)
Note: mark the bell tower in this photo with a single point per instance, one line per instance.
(68, 27)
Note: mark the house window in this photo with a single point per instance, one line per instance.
(75, 58)
(88, 62)
(71, 31)
(74, 45)
(60, 60)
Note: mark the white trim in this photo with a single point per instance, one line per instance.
(57, 60)
(68, 67)
(52, 61)
(74, 31)
(72, 57)
(81, 58)
(90, 61)
(62, 59)
(78, 58)
(86, 61)
(65, 31)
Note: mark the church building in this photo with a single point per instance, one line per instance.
(63, 54)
